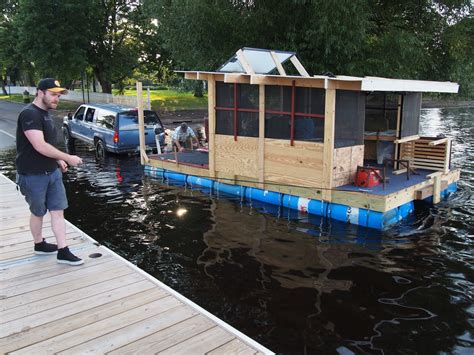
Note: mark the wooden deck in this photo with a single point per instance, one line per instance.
(107, 305)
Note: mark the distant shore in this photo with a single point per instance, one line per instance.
(439, 103)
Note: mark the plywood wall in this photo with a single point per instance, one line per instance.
(301, 164)
(236, 157)
(346, 161)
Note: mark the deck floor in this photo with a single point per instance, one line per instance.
(105, 305)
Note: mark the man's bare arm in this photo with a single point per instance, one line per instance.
(36, 139)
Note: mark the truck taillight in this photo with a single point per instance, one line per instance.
(116, 137)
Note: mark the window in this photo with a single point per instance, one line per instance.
(237, 109)
(129, 119)
(294, 113)
(381, 112)
(106, 119)
(79, 115)
(90, 114)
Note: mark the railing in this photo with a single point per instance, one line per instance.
(428, 153)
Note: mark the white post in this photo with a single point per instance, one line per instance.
(149, 100)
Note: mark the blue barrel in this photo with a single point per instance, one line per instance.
(154, 172)
(199, 181)
(175, 176)
(253, 193)
(406, 209)
(318, 207)
(237, 190)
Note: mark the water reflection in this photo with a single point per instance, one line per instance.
(296, 283)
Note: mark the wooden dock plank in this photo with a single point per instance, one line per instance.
(105, 305)
(73, 339)
(235, 347)
(201, 343)
(64, 298)
(167, 337)
(135, 331)
(35, 335)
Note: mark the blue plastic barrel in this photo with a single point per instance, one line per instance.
(175, 176)
(253, 193)
(199, 181)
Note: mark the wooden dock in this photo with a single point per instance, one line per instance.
(107, 305)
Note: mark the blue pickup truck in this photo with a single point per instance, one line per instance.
(111, 129)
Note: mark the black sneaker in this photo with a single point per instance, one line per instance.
(45, 248)
(66, 257)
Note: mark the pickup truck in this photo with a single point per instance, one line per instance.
(111, 129)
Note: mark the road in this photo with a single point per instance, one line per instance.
(8, 116)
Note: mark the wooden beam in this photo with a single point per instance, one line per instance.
(237, 78)
(259, 79)
(439, 141)
(328, 149)
(299, 66)
(407, 139)
(261, 135)
(278, 65)
(211, 98)
(447, 155)
(191, 76)
(141, 124)
(247, 67)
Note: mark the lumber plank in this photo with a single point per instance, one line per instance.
(168, 337)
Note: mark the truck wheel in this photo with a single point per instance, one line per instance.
(100, 151)
(68, 140)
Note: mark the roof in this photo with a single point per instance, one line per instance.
(254, 65)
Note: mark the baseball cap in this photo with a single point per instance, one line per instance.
(52, 85)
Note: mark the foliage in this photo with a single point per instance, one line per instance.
(121, 41)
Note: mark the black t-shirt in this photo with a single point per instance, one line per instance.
(28, 160)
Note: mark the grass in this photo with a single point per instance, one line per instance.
(172, 100)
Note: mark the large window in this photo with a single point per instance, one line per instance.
(294, 113)
(237, 109)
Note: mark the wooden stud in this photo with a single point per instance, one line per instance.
(261, 135)
(436, 189)
(407, 139)
(141, 124)
(236, 78)
(245, 64)
(211, 98)
(328, 150)
(278, 65)
(258, 79)
(299, 66)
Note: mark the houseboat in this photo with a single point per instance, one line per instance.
(340, 147)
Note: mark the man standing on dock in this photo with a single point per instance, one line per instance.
(39, 170)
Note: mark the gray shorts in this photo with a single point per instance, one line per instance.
(43, 192)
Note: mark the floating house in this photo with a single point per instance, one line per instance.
(278, 135)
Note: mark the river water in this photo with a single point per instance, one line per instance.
(297, 285)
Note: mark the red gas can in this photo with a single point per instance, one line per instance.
(367, 177)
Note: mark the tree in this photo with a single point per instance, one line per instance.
(54, 36)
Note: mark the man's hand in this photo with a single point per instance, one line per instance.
(181, 149)
(62, 165)
(74, 160)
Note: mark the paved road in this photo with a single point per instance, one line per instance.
(8, 117)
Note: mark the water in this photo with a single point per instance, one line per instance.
(297, 285)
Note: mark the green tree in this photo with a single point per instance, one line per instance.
(54, 36)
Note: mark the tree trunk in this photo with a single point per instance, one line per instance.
(4, 83)
(106, 85)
